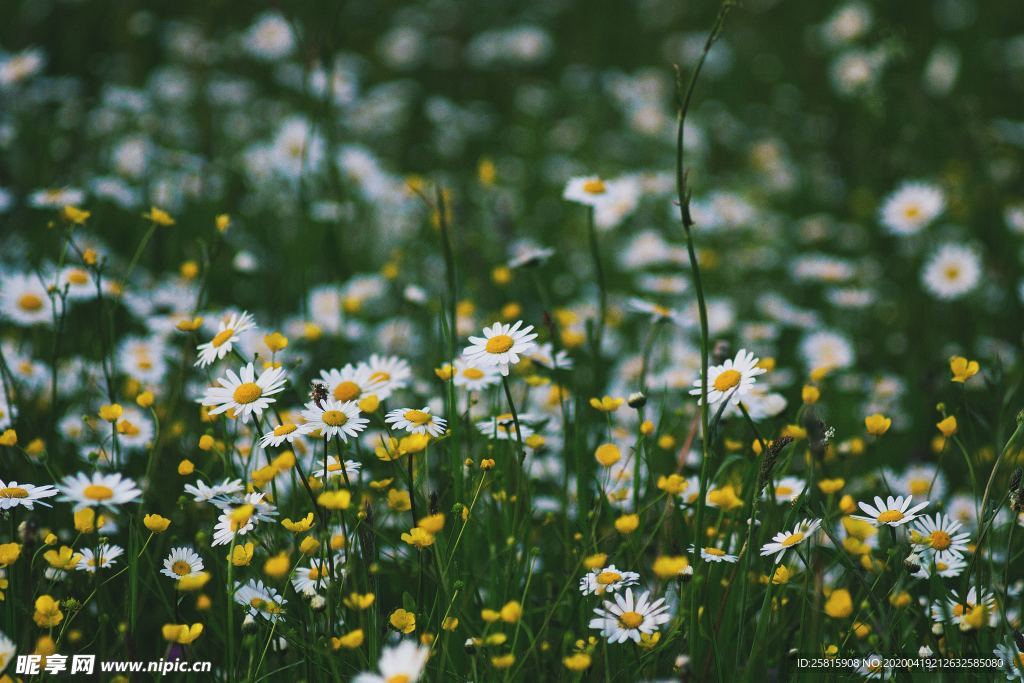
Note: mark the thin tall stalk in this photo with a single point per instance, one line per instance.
(683, 198)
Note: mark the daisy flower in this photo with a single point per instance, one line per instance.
(787, 489)
(783, 541)
(713, 554)
(183, 561)
(416, 421)
(544, 354)
(1010, 658)
(471, 377)
(286, 432)
(97, 490)
(939, 533)
(56, 197)
(225, 339)
(502, 428)
(626, 618)
(14, 494)
(262, 511)
(526, 255)
(948, 567)
(309, 580)
(201, 493)
(24, 300)
(227, 529)
(501, 346)
(911, 208)
(352, 382)
(958, 610)
(657, 312)
(404, 662)
(334, 468)
(892, 511)
(952, 272)
(260, 599)
(919, 480)
(244, 394)
(586, 190)
(7, 650)
(730, 380)
(104, 559)
(390, 372)
(333, 418)
(607, 580)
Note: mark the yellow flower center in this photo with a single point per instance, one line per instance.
(78, 277)
(912, 211)
(333, 466)
(222, 337)
(919, 487)
(334, 418)
(398, 678)
(793, 539)
(940, 540)
(417, 417)
(727, 379)
(247, 392)
(98, 492)
(889, 516)
(473, 373)
(499, 343)
(783, 490)
(314, 573)
(181, 568)
(714, 551)
(284, 429)
(30, 302)
(347, 391)
(595, 186)
(630, 619)
(380, 376)
(606, 578)
(952, 272)
(13, 492)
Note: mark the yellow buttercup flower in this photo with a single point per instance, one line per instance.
(839, 604)
(9, 553)
(963, 369)
(877, 424)
(193, 582)
(359, 601)
(947, 426)
(111, 412)
(47, 614)
(241, 555)
(511, 612)
(349, 641)
(159, 216)
(606, 404)
(73, 214)
(419, 538)
(403, 621)
(607, 454)
(432, 524)
(156, 523)
(335, 500)
(277, 567)
(183, 634)
(301, 526)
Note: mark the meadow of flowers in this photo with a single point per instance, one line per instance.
(513, 341)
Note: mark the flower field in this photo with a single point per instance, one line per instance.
(649, 341)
